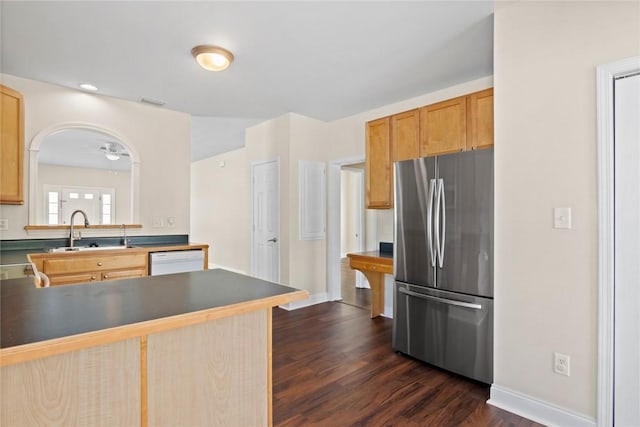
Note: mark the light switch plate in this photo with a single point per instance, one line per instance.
(4, 224)
(562, 218)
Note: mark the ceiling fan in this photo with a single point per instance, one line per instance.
(113, 151)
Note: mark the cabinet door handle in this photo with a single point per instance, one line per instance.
(99, 263)
(106, 276)
(93, 277)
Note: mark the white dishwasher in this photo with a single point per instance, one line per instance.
(175, 262)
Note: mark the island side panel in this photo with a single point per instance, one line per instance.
(215, 373)
(97, 386)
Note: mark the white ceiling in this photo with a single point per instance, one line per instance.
(325, 60)
(81, 148)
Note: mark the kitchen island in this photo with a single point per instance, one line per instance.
(181, 349)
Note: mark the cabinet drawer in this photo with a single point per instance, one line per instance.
(77, 264)
(123, 274)
(371, 266)
(74, 279)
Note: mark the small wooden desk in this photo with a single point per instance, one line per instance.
(374, 266)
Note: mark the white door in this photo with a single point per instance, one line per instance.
(266, 220)
(627, 252)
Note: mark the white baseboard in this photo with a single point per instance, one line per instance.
(312, 300)
(536, 410)
(212, 266)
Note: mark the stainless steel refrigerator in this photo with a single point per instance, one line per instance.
(443, 262)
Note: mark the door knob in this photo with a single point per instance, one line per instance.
(274, 240)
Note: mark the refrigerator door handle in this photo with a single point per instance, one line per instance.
(440, 228)
(444, 223)
(442, 300)
(432, 254)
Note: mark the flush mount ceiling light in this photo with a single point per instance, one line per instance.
(212, 58)
(88, 86)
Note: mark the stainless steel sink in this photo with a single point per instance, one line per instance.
(87, 248)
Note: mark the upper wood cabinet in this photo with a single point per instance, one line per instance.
(405, 135)
(12, 147)
(458, 124)
(480, 119)
(378, 164)
(443, 127)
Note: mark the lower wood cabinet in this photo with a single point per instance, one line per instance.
(77, 268)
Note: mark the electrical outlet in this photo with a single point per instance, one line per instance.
(4, 224)
(158, 222)
(561, 364)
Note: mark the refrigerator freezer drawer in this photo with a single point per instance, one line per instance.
(446, 329)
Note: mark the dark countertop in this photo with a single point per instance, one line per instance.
(16, 251)
(20, 256)
(14, 257)
(32, 315)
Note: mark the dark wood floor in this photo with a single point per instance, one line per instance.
(350, 294)
(334, 366)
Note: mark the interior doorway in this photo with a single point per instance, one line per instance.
(619, 243)
(335, 265)
(626, 250)
(353, 286)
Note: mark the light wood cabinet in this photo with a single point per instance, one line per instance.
(480, 119)
(389, 139)
(379, 180)
(458, 124)
(77, 268)
(12, 147)
(405, 135)
(443, 127)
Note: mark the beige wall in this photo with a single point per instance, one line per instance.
(161, 138)
(307, 258)
(545, 157)
(221, 208)
(289, 138)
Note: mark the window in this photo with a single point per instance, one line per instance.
(107, 208)
(98, 203)
(53, 207)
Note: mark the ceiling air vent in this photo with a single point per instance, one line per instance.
(152, 102)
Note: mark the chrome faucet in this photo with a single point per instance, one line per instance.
(124, 235)
(86, 224)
